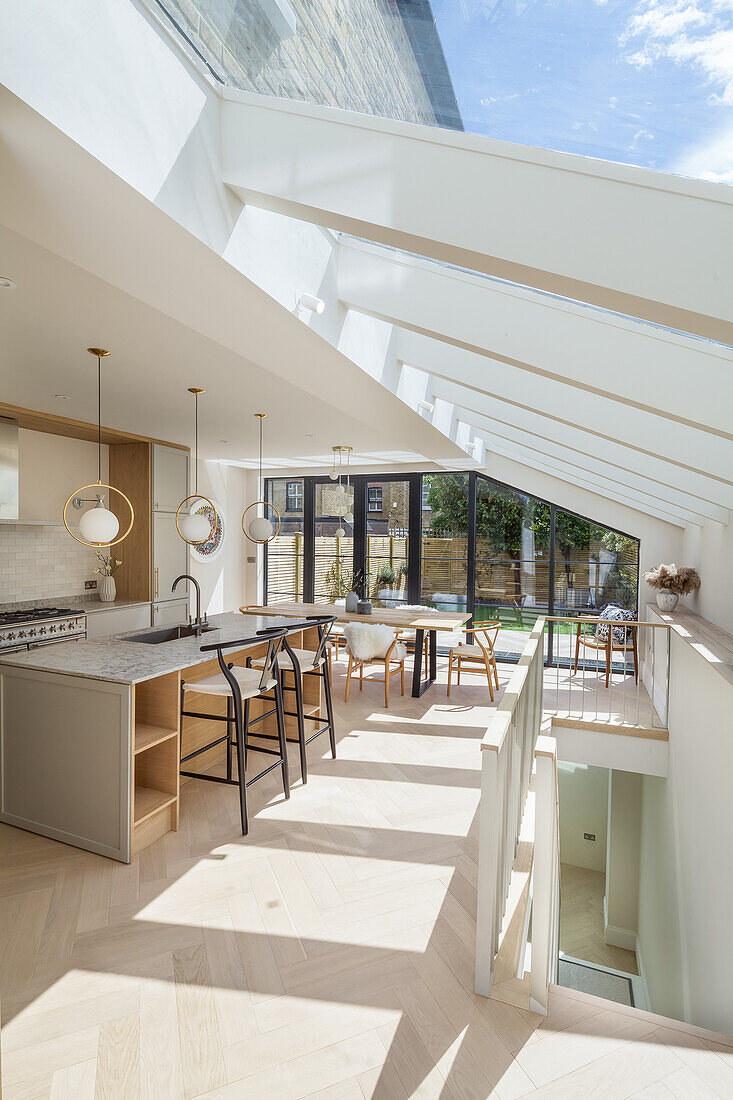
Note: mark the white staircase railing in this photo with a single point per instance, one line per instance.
(507, 752)
(546, 891)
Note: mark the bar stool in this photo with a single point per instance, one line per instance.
(306, 662)
(239, 686)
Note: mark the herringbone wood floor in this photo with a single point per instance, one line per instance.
(581, 920)
(329, 954)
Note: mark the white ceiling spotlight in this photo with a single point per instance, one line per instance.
(6, 283)
(305, 302)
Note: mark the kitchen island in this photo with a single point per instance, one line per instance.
(90, 738)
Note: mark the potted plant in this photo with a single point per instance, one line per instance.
(670, 582)
(107, 567)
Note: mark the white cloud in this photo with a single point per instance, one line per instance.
(692, 32)
(641, 135)
(711, 161)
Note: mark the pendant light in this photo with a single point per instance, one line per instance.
(196, 526)
(342, 460)
(259, 528)
(98, 526)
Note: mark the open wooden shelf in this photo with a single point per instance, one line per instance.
(148, 801)
(146, 736)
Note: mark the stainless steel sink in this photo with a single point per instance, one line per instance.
(169, 634)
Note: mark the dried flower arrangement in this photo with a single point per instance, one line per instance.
(108, 565)
(670, 578)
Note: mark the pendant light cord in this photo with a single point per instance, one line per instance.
(196, 448)
(259, 474)
(99, 419)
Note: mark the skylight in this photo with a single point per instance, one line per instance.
(643, 82)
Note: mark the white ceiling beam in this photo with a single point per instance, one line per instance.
(573, 477)
(450, 415)
(635, 364)
(688, 508)
(585, 421)
(640, 242)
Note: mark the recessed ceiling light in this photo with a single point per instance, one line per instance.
(7, 283)
(62, 396)
(223, 440)
(309, 435)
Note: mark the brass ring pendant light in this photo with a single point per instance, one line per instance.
(98, 521)
(260, 529)
(193, 531)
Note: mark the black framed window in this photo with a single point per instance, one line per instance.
(458, 541)
(374, 498)
(285, 555)
(294, 496)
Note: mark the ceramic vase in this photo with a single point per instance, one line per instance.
(107, 589)
(666, 601)
(352, 602)
(364, 607)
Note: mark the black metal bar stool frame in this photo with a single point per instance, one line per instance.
(237, 716)
(318, 668)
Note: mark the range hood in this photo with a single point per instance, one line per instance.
(8, 469)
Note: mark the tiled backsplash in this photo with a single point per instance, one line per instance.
(40, 562)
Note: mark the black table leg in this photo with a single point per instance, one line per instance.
(418, 684)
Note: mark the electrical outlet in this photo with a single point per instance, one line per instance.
(251, 559)
(90, 584)
(589, 836)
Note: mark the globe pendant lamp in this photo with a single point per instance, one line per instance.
(258, 528)
(98, 526)
(196, 526)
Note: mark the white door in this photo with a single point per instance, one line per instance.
(172, 613)
(170, 558)
(170, 477)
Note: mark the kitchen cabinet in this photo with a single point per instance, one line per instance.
(170, 613)
(170, 477)
(170, 558)
(117, 620)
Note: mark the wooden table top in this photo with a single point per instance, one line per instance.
(399, 618)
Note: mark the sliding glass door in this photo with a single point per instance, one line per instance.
(387, 540)
(512, 574)
(453, 541)
(285, 556)
(333, 553)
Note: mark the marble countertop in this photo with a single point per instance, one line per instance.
(88, 603)
(121, 661)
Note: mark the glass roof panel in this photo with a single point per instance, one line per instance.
(644, 82)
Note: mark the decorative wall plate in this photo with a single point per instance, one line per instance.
(207, 551)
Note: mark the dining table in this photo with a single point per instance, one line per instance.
(422, 620)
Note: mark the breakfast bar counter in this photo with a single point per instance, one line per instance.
(90, 730)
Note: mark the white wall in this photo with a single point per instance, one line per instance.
(710, 550)
(622, 858)
(685, 882)
(583, 792)
(223, 580)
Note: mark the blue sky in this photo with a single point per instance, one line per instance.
(647, 83)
